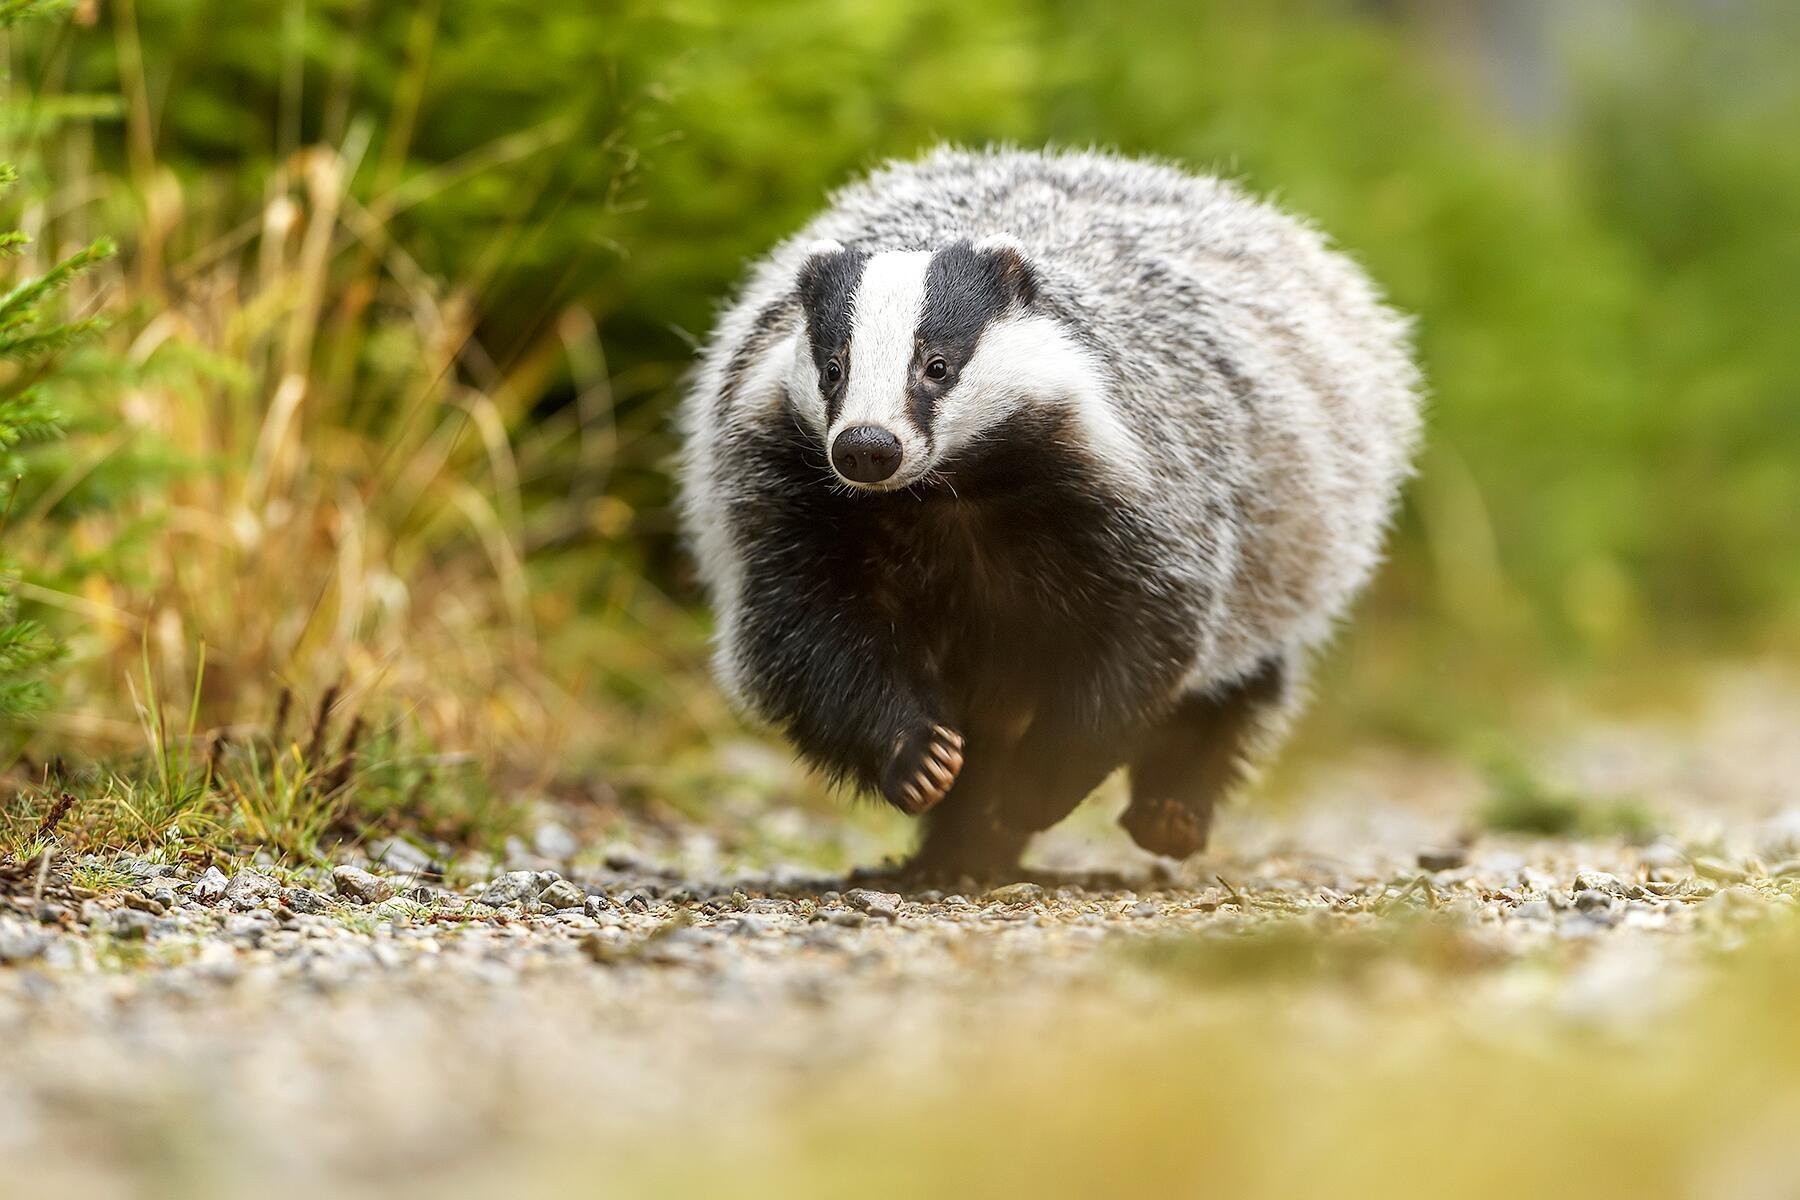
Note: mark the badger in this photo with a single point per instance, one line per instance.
(1014, 468)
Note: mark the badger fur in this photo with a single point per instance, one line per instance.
(1014, 468)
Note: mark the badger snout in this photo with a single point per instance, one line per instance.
(866, 454)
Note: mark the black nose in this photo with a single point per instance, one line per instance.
(866, 454)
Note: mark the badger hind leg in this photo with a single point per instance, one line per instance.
(1198, 754)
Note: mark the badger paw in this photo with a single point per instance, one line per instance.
(1166, 827)
(923, 766)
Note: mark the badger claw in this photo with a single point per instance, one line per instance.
(922, 769)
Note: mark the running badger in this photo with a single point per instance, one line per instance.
(1015, 468)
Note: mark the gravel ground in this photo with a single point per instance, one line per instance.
(205, 1033)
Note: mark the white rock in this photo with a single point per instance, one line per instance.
(251, 889)
(210, 887)
(356, 884)
(510, 888)
(562, 894)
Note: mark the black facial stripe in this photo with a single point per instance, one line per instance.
(966, 290)
(827, 286)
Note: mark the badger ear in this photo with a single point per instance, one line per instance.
(1012, 266)
(818, 270)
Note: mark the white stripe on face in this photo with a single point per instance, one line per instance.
(1033, 361)
(884, 322)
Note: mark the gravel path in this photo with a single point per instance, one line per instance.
(557, 1025)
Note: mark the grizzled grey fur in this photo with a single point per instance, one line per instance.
(1013, 468)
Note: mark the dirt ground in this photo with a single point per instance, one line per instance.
(1434, 1008)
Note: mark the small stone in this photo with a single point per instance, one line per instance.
(1145, 910)
(354, 883)
(393, 909)
(20, 943)
(513, 887)
(562, 894)
(305, 900)
(210, 887)
(1016, 893)
(1718, 869)
(142, 903)
(882, 905)
(251, 889)
(1589, 900)
(1447, 858)
(1534, 910)
(850, 920)
(1601, 881)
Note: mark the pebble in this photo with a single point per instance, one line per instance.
(251, 889)
(1601, 881)
(393, 909)
(354, 883)
(1720, 870)
(1590, 899)
(513, 887)
(19, 942)
(882, 905)
(1016, 893)
(210, 887)
(305, 900)
(562, 894)
(143, 903)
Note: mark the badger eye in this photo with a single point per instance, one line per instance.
(937, 368)
(833, 372)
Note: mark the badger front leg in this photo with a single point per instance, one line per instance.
(1197, 755)
(836, 686)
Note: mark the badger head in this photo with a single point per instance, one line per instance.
(908, 360)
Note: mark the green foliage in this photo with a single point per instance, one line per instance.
(1598, 295)
(480, 240)
(29, 341)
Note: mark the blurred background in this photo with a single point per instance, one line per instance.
(361, 472)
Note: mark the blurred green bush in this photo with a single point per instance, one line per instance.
(1605, 286)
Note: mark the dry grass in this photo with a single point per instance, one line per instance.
(295, 461)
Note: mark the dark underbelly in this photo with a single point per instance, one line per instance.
(1000, 622)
